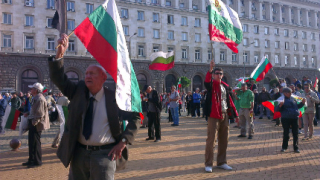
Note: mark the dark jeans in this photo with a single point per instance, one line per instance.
(93, 165)
(34, 143)
(196, 108)
(1, 128)
(189, 107)
(154, 125)
(286, 123)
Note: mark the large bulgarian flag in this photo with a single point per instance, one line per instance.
(261, 70)
(224, 25)
(102, 34)
(10, 118)
(162, 61)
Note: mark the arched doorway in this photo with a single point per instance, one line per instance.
(266, 83)
(224, 79)
(170, 80)
(142, 80)
(110, 83)
(28, 77)
(73, 76)
(197, 82)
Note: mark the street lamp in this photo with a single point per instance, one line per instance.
(130, 44)
(244, 64)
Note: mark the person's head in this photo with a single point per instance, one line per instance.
(6, 94)
(276, 90)
(14, 94)
(293, 88)
(280, 89)
(252, 81)
(263, 89)
(95, 76)
(189, 92)
(307, 87)
(255, 91)
(244, 86)
(294, 80)
(20, 93)
(287, 92)
(304, 78)
(218, 74)
(147, 88)
(299, 87)
(173, 88)
(1, 96)
(50, 93)
(197, 90)
(28, 94)
(36, 88)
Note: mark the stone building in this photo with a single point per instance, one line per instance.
(287, 32)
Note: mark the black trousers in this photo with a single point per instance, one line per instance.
(286, 123)
(34, 143)
(154, 128)
(196, 108)
(189, 109)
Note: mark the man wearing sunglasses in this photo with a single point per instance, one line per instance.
(221, 110)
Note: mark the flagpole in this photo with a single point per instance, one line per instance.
(67, 37)
(275, 74)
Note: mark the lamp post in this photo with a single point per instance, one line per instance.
(244, 64)
(130, 44)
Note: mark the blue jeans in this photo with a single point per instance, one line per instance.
(175, 115)
(261, 111)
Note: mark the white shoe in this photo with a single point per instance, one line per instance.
(225, 167)
(208, 169)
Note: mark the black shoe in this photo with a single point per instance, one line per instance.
(27, 163)
(149, 139)
(260, 117)
(174, 125)
(283, 150)
(297, 151)
(34, 165)
(242, 135)
(157, 140)
(250, 137)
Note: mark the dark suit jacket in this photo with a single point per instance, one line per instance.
(78, 94)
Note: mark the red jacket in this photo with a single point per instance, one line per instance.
(214, 88)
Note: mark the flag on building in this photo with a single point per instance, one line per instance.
(102, 34)
(162, 61)
(59, 20)
(10, 118)
(224, 25)
(261, 70)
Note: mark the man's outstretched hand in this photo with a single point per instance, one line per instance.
(64, 43)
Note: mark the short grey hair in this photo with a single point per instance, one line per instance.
(244, 84)
(99, 67)
(174, 86)
(287, 90)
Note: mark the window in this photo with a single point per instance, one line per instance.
(194, 7)
(29, 20)
(304, 35)
(312, 62)
(185, 36)
(184, 21)
(197, 37)
(50, 44)
(266, 30)
(181, 5)
(155, 48)
(156, 17)
(209, 40)
(222, 56)
(256, 29)
(70, 6)
(184, 53)
(286, 45)
(266, 43)
(234, 57)
(89, 8)
(6, 18)
(50, 4)
(140, 16)
(168, 3)
(124, 13)
(209, 55)
(140, 32)
(126, 30)
(295, 46)
(154, 1)
(71, 46)
(295, 34)
(6, 1)
(71, 25)
(170, 49)
(263, 7)
(295, 60)
(197, 22)
(171, 35)
(49, 22)
(245, 57)
(304, 60)
(170, 19)
(29, 3)
(156, 33)
(304, 47)
(140, 50)
(312, 36)
(6, 41)
(285, 60)
(29, 42)
(313, 48)
(276, 59)
(197, 54)
(253, 15)
(245, 41)
(256, 58)
(286, 33)
(276, 44)
(256, 42)
(276, 31)
(245, 28)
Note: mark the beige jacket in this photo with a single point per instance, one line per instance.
(39, 113)
(311, 101)
(50, 101)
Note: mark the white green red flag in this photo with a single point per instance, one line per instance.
(179, 85)
(224, 25)
(102, 34)
(10, 118)
(261, 70)
(162, 61)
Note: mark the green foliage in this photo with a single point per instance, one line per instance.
(185, 82)
(273, 81)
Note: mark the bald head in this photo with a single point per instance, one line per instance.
(95, 77)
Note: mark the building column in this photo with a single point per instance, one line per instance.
(190, 5)
(203, 5)
(315, 20)
(260, 10)
(238, 7)
(289, 14)
(298, 16)
(307, 17)
(176, 4)
(280, 13)
(248, 9)
(270, 12)
(163, 3)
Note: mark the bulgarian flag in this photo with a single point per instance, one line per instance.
(44, 90)
(179, 85)
(102, 34)
(261, 70)
(224, 25)
(10, 118)
(270, 105)
(162, 61)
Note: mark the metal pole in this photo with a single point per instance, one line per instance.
(130, 44)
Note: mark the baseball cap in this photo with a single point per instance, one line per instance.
(37, 86)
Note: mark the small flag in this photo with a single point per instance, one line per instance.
(261, 70)
(162, 61)
(271, 105)
(44, 90)
(10, 118)
(59, 20)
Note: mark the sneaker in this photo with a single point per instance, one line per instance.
(174, 124)
(297, 151)
(149, 139)
(225, 167)
(208, 169)
(27, 163)
(299, 132)
(242, 135)
(283, 150)
(157, 140)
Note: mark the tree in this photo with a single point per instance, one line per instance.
(185, 82)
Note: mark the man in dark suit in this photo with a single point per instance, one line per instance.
(94, 142)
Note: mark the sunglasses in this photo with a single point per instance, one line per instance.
(218, 74)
